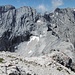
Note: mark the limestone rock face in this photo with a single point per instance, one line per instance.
(28, 33)
(6, 8)
(15, 25)
(49, 64)
(62, 22)
(47, 41)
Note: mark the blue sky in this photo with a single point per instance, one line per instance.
(40, 5)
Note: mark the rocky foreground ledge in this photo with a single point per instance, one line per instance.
(50, 64)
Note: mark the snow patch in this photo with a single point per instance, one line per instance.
(56, 13)
(39, 21)
(33, 38)
(29, 52)
(40, 36)
(74, 9)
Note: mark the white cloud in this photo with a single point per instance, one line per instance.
(56, 3)
(42, 8)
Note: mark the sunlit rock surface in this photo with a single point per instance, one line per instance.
(30, 34)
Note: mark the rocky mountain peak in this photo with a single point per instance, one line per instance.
(6, 8)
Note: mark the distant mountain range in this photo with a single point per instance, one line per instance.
(27, 32)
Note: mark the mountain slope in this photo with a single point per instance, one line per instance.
(30, 34)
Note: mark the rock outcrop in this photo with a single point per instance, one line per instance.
(15, 26)
(19, 25)
(18, 65)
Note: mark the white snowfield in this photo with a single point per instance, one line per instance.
(43, 65)
(32, 38)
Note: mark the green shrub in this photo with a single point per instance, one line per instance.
(11, 56)
(59, 68)
(1, 60)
